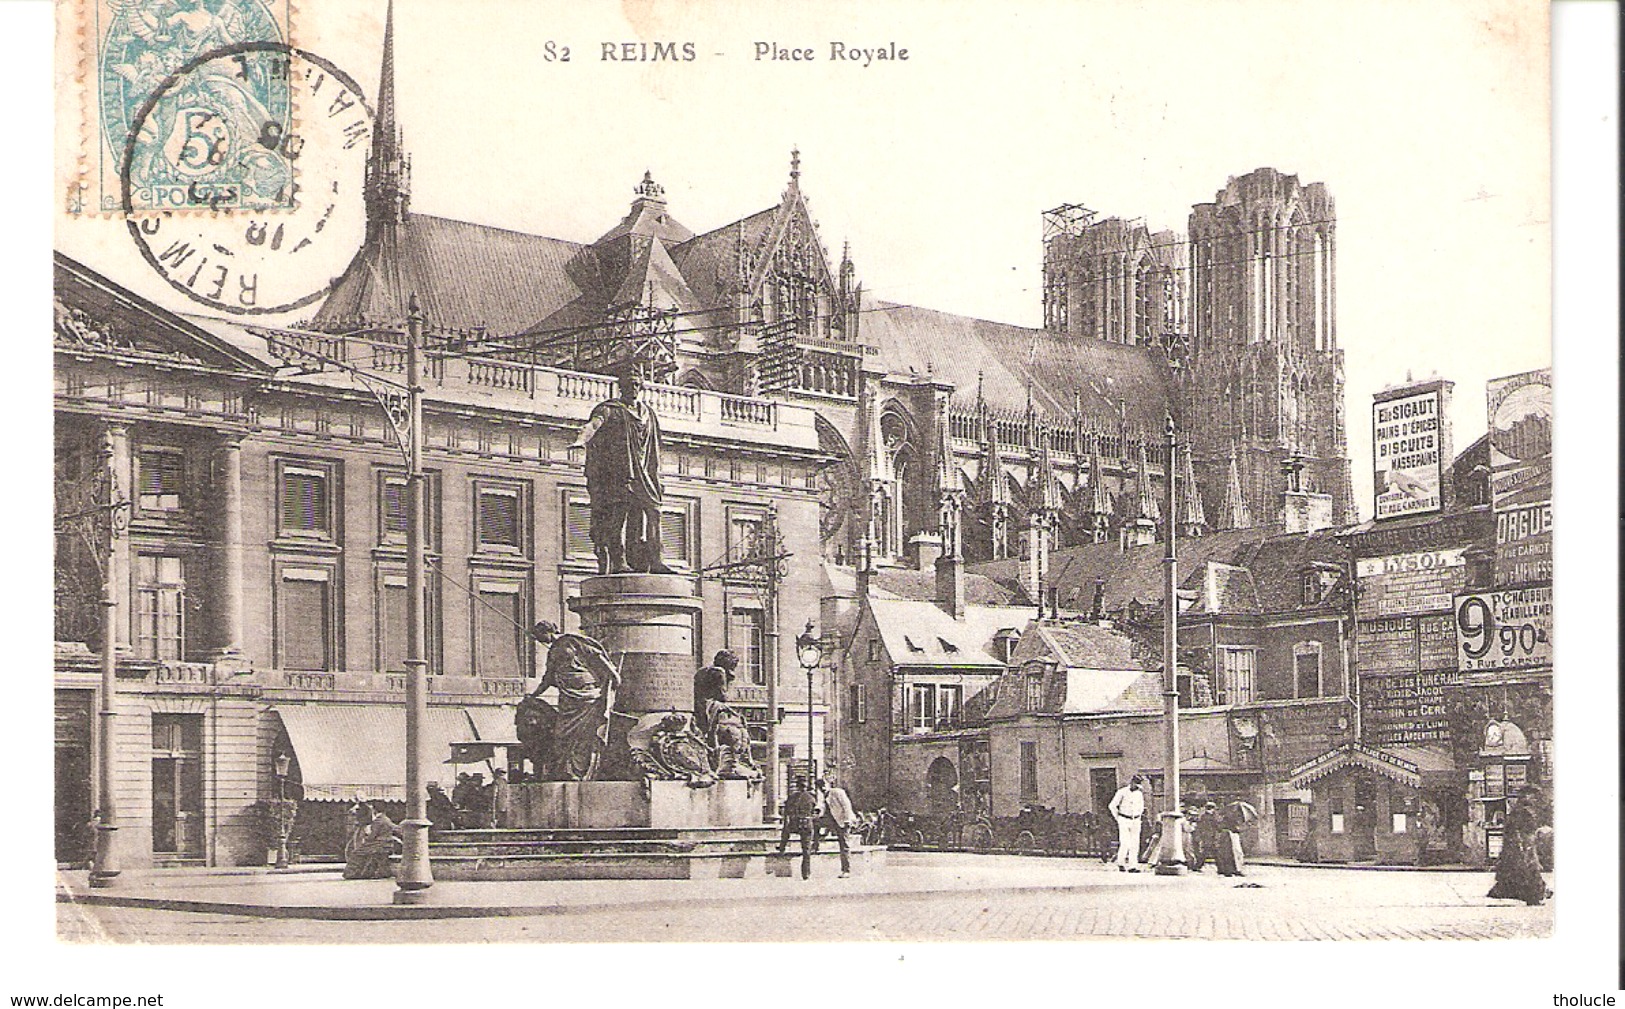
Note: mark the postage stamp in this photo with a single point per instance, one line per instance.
(210, 136)
(263, 242)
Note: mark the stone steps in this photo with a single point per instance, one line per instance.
(647, 865)
(628, 853)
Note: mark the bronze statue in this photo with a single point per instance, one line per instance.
(586, 679)
(622, 439)
(665, 747)
(719, 723)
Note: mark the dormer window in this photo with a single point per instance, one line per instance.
(1311, 587)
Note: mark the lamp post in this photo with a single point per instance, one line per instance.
(414, 878)
(284, 822)
(114, 460)
(1171, 860)
(809, 652)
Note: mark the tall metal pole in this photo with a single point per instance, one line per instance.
(770, 661)
(1171, 861)
(414, 877)
(104, 868)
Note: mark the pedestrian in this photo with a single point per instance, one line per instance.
(1228, 854)
(1517, 870)
(442, 814)
(1208, 837)
(501, 797)
(838, 818)
(1128, 805)
(801, 815)
(372, 841)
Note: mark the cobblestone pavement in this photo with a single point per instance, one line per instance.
(1092, 902)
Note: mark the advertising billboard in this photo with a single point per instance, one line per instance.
(1504, 630)
(1409, 464)
(1520, 421)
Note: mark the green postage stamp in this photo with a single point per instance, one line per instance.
(182, 108)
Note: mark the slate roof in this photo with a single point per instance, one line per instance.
(1076, 645)
(465, 276)
(955, 348)
(1272, 559)
(920, 634)
(909, 583)
(703, 258)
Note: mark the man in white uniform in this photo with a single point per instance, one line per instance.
(1128, 805)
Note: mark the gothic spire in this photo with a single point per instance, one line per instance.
(1145, 501)
(1236, 515)
(387, 190)
(1192, 517)
(1100, 502)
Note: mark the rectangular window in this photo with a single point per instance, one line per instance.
(745, 641)
(1035, 692)
(744, 531)
(1238, 669)
(305, 619)
(860, 703)
(922, 707)
(160, 479)
(160, 607)
(874, 649)
(675, 524)
(499, 517)
(948, 700)
(305, 501)
(1337, 814)
(392, 503)
(1029, 772)
(1399, 823)
(1306, 668)
(501, 646)
(577, 526)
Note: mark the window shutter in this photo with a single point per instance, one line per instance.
(394, 629)
(499, 519)
(674, 535)
(577, 528)
(394, 509)
(304, 627)
(304, 502)
(499, 638)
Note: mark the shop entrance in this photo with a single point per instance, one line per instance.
(1102, 786)
(177, 785)
(1363, 825)
(73, 770)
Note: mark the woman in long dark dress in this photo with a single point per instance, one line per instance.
(1517, 871)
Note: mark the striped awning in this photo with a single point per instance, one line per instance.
(345, 752)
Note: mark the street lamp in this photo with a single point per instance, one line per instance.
(1171, 860)
(283, 821)
(809, 652)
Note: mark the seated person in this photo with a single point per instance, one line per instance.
(372, 841)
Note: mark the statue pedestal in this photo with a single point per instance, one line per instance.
(609, 804)
(646, 623)
(618, 826)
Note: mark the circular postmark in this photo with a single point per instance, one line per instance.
(241, 178)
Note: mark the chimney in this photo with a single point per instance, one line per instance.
(926, 548)
(951, 586)
(865, 560)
